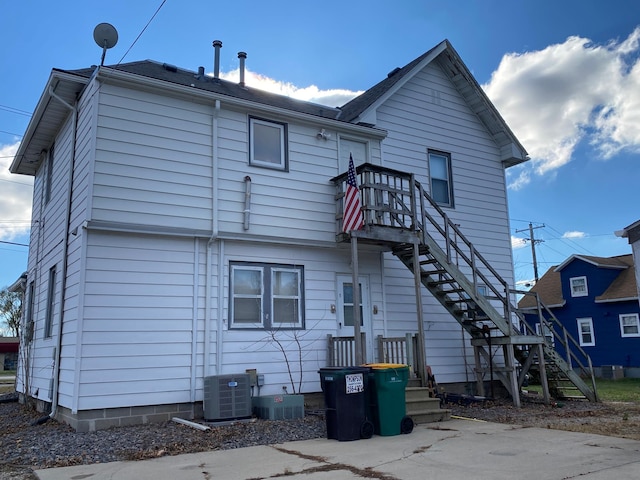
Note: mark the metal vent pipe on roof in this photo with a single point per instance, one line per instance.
(217, 44)
(242, 57)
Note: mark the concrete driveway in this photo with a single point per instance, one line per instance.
(458, 449)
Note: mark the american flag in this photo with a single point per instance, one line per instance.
(352, 219)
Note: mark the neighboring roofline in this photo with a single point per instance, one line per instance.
(55, 78)
(591, 261)
(126, 78)
(557, 305)
(612, 300)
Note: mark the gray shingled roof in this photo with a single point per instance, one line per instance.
(179, 76)
(351, 110)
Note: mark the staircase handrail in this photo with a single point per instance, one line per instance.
(569, 343)
(474, 254)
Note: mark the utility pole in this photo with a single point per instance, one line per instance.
(533, 247)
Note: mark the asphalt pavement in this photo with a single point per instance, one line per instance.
(457, 449)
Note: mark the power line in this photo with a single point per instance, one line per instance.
(13, 181)
(13, 243)
(17, 111)
(11, 133)
(140, 34)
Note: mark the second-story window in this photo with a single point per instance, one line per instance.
(440, 178)
(268, 144)
(579, 286)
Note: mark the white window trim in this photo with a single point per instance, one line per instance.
(449, 178)
(254, 325)
(586, 287)
(548, 334)
(283, 144)
(299, 323)
(589, 321)
(629, 315)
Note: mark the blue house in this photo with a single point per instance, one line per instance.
(596, 300)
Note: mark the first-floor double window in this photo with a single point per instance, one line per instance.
(266, 296)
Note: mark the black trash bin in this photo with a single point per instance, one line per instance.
(346, 402)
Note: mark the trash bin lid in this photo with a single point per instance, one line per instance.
(380, 366)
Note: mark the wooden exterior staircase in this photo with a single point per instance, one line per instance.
(400, 214)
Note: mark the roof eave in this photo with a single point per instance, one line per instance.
(613, 300)
(46, 120)
(511, 150)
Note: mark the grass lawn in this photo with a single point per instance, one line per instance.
(623, 390)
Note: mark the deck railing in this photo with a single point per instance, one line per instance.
(341, 351)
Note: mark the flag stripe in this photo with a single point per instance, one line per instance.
(352, 218)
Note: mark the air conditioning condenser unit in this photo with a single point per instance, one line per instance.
(227, 397)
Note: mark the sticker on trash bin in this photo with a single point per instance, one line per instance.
(355, 383)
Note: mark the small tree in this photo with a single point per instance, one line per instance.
(11, 310)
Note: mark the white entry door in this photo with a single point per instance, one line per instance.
(346, 305)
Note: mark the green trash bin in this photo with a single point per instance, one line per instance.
(387, 400)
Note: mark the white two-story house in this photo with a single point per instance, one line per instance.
(183, 223)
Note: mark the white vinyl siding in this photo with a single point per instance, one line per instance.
(429, 113)
(629, 325)
(586, 335)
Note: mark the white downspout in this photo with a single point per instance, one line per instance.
(194, 319)
(212, 239)
(65, 252)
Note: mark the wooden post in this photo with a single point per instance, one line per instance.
(510, 361)
(418, 286)
(357, 338)
(544, 381)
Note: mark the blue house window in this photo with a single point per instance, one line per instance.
(585, 331)
(579, 286)
(629, 325)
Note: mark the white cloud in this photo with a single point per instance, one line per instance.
(15, 201)
(569, 92)
(574, 235)
(312, 93)
(517, 242)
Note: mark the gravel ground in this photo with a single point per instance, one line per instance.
(605, 418)
(51, 444)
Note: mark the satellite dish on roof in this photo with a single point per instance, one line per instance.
(106, 36)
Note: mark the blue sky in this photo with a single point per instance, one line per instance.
(564, 74)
